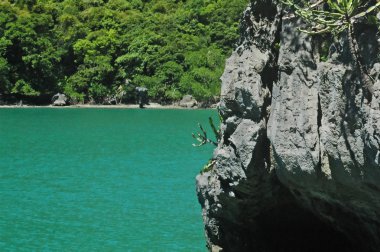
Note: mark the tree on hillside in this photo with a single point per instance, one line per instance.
(88, 48)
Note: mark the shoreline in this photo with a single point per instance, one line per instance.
(119, 106)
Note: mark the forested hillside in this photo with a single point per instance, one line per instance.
(94, 49)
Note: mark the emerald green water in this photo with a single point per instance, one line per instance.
(100, 180)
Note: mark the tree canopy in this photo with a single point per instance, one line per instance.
(88, 49)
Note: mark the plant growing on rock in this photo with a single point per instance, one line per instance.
(203, 139)
(208, 167)
(335, 17)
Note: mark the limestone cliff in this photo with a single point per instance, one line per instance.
(297, 168)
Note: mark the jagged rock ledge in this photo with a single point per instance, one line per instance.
(297, 168)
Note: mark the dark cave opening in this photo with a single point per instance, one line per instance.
(292, 228)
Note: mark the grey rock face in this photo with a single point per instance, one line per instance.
(188, 101)
(59, 99)
(297, 168)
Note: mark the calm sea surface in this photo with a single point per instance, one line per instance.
(100, 180)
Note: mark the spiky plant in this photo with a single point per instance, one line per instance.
(339, 16)
(203, 139)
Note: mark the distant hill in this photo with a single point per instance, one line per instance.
(90, 49)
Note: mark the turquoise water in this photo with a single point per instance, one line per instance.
(100, 180)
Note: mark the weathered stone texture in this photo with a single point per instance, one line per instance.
(298, 166)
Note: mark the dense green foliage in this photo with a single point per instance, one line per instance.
(90, 49)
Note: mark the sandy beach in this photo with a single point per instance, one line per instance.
(119, 106)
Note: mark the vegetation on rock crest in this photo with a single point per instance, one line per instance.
(335, 17)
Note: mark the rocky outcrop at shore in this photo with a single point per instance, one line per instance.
(297, 168)
(59, 100)
(188, 101)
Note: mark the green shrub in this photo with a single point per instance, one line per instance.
(24, 88)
